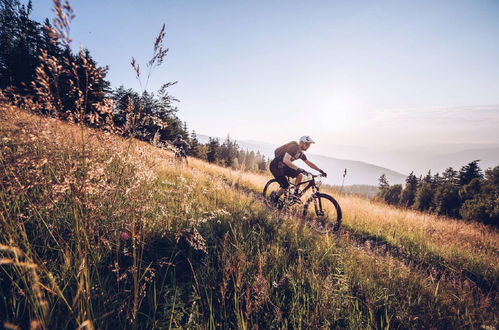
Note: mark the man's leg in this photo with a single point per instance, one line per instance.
(298, 179)
(280, 192)
(283, 183)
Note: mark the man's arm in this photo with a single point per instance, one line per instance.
(287, 160)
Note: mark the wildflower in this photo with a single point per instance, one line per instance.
(125, 236)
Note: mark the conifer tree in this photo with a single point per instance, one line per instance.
(446, 200)
(450, 176)
(424, 197)
(383, 185)
(393, 194)
(469, 172)
(213, 150)
(195, 146)
(409, 192)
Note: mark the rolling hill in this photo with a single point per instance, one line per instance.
(99, 231)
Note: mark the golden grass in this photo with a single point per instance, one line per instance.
(211, 189)
(454, 240)
(451, 239)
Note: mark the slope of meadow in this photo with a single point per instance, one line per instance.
(100, 231)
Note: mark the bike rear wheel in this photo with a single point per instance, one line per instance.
(271, 188)
(324, 209)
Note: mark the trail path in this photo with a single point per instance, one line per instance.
(439, 271)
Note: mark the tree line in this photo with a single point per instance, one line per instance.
(39, 71)
(468, 194)
(228, 154)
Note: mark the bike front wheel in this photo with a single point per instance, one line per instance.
(324, 209)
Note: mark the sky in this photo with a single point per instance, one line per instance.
(361, 73)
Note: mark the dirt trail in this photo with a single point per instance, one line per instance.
(380, 247)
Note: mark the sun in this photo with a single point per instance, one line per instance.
(339, 111)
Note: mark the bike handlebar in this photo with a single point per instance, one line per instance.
(313, 175)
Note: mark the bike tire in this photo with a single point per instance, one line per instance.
(270, 186)
(331, 208)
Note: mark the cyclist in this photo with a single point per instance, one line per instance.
(282, 165)
(181, 146)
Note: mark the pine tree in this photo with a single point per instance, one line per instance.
(195, 151)
(263, 164)
(228, 151)
(241, 157)
(482, 202)
(393, 194)
(20, 40)
(469, 172)
(428, 178)
(450, 176)
(447, 200)
(424, 197)
(213, 154)
(409, 192)
(437, 180)
(383, 185)
(250, 164)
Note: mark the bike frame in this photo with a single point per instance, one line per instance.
(315, 191)
(311, 184)
(316, 198)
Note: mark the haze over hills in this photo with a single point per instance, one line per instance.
(420, 159)
(358, 172)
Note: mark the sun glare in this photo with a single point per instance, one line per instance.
(340, 111)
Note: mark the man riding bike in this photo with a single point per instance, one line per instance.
(282, 165)
(181, 146)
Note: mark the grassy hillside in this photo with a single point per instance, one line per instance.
(100, 231)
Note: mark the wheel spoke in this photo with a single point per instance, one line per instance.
(325, 211)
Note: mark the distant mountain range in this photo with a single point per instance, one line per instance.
(358, 172)
(420, 159)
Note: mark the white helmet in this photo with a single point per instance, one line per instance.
(306, 139)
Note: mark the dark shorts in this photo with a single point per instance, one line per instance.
(281, 172)
(180, 153)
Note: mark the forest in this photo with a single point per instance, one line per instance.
(40, 71)
(467, 194)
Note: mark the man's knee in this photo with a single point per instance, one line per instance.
(283, 182)
(299, 177)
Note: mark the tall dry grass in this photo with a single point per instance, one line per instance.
(103, 231)
(169, 246)
(459, 246)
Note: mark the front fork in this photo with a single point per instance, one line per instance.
(317, 203)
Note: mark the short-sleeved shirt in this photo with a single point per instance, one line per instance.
(281, 170)
(181, 144)
(293, 149)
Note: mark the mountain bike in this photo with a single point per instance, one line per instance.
(322, 208)
(180, 155)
